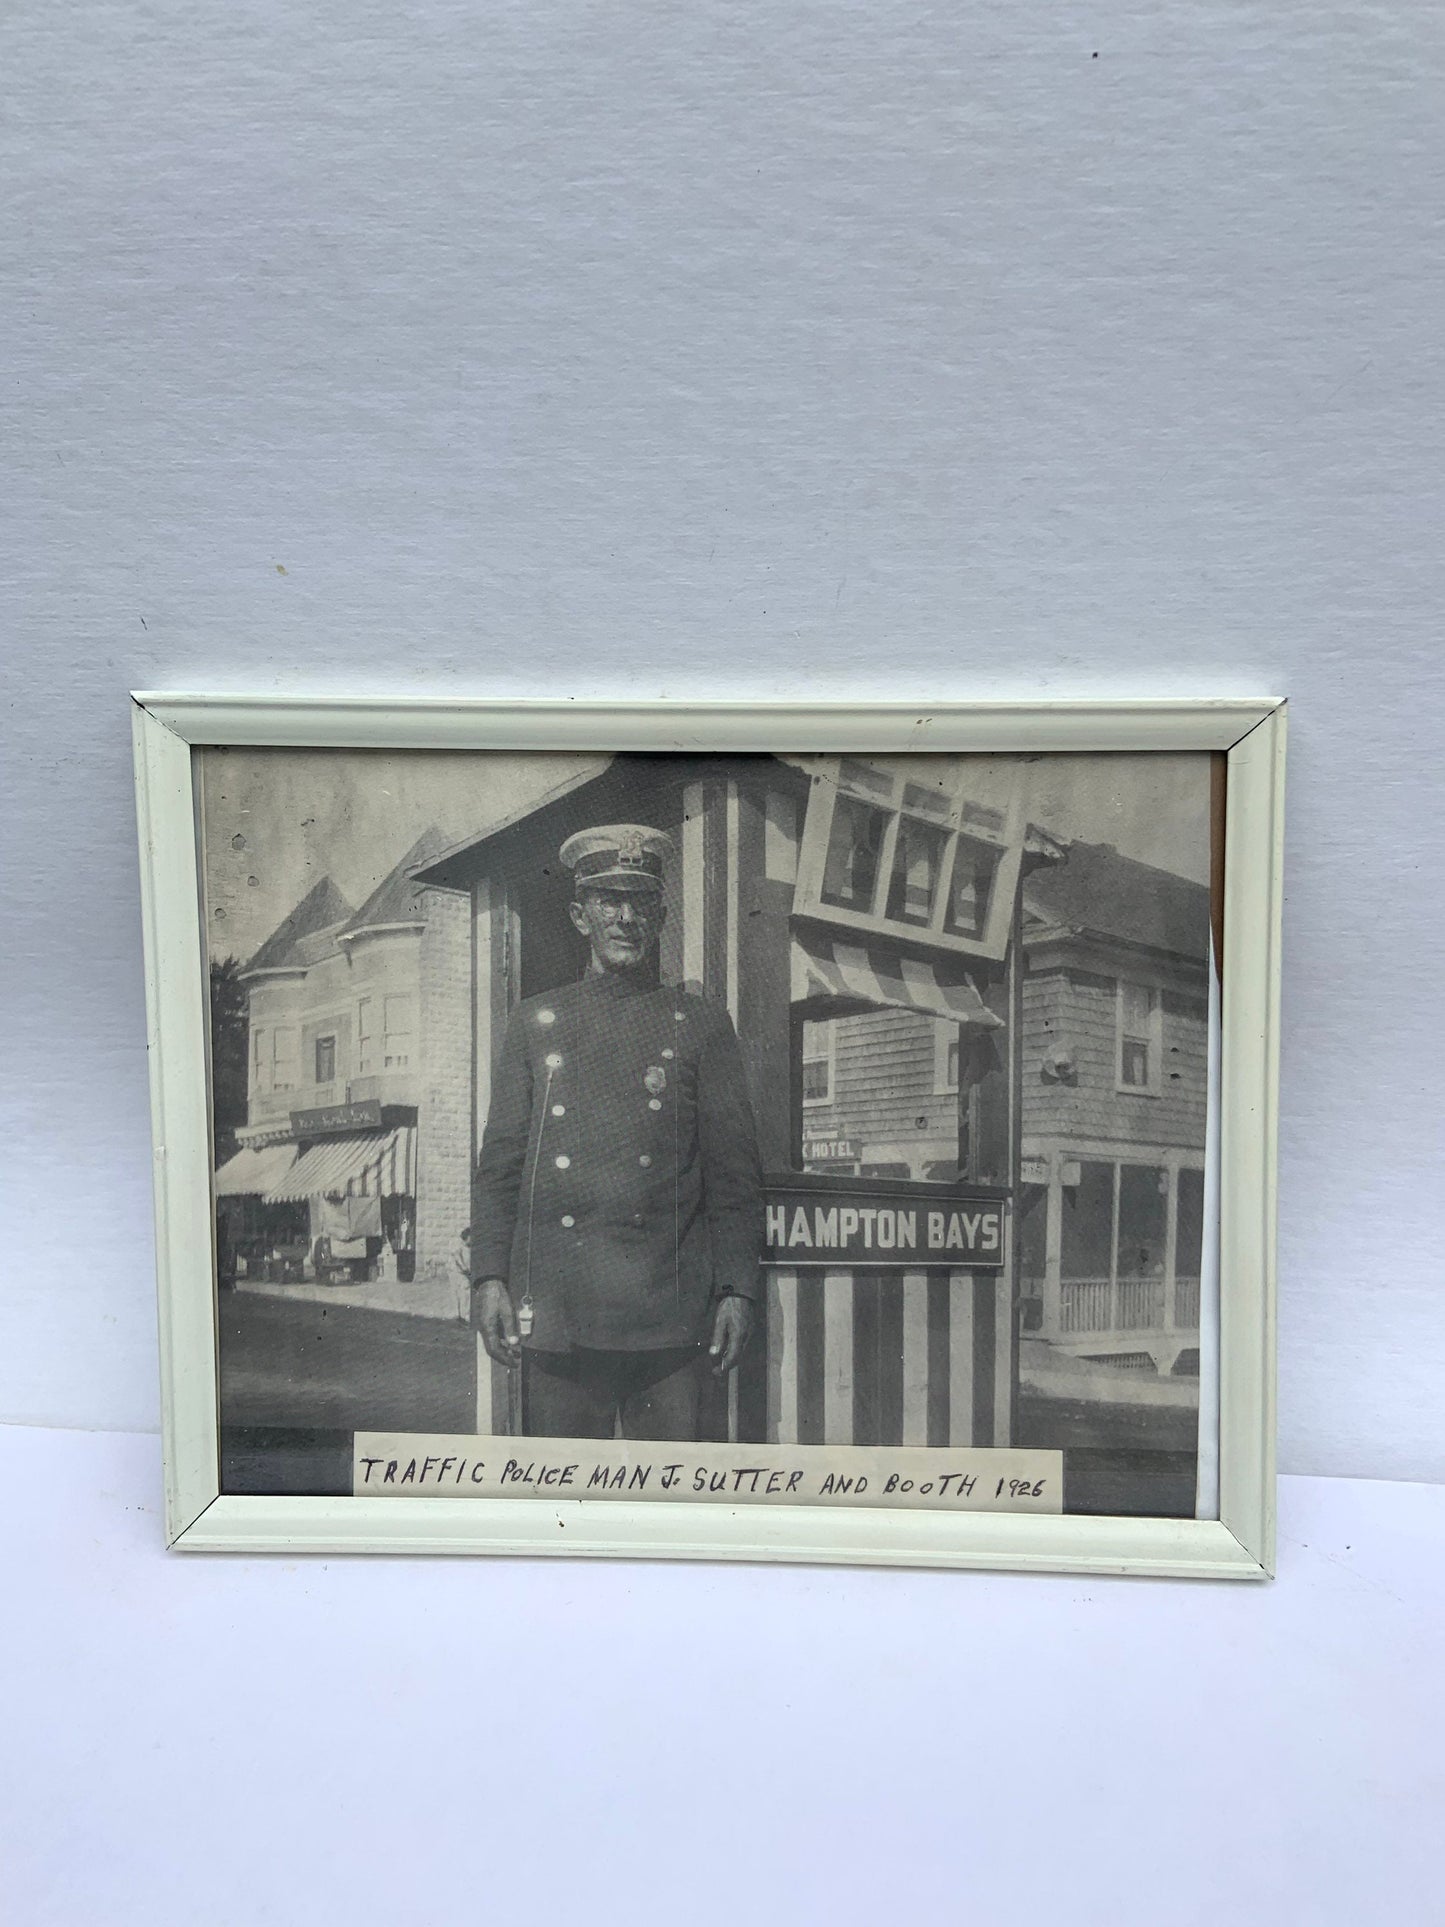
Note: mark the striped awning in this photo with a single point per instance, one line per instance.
(833, 977)
(251, 1173)
(376, 1165)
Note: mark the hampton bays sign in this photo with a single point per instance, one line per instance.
(881, 1228)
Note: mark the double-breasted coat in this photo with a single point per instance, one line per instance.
(618, 1185)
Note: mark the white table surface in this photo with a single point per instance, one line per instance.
(216, 1739)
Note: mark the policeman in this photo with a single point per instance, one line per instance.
(617, 1210)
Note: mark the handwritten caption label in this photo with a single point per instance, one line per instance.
(405, 1465)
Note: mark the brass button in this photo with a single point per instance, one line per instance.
(569, 1221)
(669, 1053)
(563, 1162)
(654, 1103)
(559, 1110)
(638, 1219)
(645, 1161)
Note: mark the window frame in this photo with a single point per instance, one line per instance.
(829, 785)
(828, 1057)
(1153, 1039)
(292, 1034)
(322, 1039)
(410, 1034)
(947, 1038)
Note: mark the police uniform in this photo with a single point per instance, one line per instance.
(618, 1193)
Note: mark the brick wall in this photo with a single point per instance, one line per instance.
(444, 1122)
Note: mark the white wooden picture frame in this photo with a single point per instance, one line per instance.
(201, 1517)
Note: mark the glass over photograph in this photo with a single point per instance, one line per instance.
(843, 1118)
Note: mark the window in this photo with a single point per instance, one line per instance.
(1143, 1207)
(947, 1042)
(1086, 1252)
(1188, 1250)
(1112, 1252)
(1189, 1235)
(1140, 1040)
(260, 1060)
(365, 1035)
(399, 1040)
(904, 849)
(817, 1062)
(325, 1060)
(850, 872)
(285, 1057)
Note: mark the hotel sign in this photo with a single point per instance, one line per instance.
(831, 1150)
(877, 1228)
(364, 1115)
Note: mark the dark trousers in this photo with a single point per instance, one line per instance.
(596, 1395)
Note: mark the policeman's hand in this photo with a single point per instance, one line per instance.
(494, 1318)
(731, 1326)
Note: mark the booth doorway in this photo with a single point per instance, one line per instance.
(549, 951)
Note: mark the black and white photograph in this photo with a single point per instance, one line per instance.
(840, 1121)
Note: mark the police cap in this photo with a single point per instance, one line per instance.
(617, 856)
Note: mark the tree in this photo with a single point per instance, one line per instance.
(230, 1044)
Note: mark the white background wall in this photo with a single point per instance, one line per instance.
(736, 350)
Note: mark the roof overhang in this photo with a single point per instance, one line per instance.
(379, 930)
(1065, 946)
(453, 868)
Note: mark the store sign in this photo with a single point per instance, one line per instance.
(1033, 1170)
(362, 1116)
(878, 1228)
(830, 1150)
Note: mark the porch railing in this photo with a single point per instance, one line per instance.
(1088, 1305)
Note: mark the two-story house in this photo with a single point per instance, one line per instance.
(335, 1070)
(1110, 1204)
(1115, 1082)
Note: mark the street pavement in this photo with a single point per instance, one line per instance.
(299, 1375)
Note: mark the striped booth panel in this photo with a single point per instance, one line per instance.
(889, 1358)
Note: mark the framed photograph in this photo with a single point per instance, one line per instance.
(800, 1132)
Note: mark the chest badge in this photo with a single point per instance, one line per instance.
(655, 1078)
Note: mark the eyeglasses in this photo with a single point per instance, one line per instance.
(643, 908)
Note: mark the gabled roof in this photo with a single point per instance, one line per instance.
(1095, 890)
(624, 786)
(293, 943)
(399, 898)
(451, 866)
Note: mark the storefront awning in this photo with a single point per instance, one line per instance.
(252, 1173)
(358, 1167)
(834, 977)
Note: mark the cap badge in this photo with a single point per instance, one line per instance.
(655, 1079)
(630, 847)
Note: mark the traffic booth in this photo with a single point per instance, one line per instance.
(859, 920)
